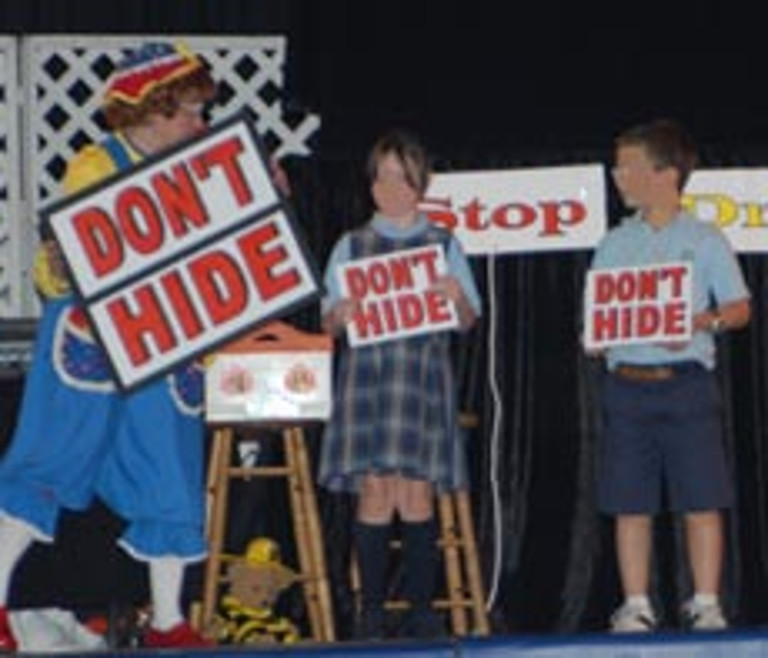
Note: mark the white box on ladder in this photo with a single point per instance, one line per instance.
(276, 373)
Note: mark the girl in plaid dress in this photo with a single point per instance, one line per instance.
(393, 438)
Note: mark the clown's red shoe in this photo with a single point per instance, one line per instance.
(7, 641)
(180, 636)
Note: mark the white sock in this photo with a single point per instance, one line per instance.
(704, 600)
(15, 538)
(166, 577)
(638, 602)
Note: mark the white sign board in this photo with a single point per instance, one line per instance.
(521, 210)
(396, 295)
(183, 252)
(736, 200)
(632, 305)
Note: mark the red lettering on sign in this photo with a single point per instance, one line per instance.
(627, 286)
(438, 307)
(391, 274)
(603, 324)
(99, 240)
(180, 200)
(674, 319)
(401, 273)
(368, 320)
(428, 261)
(139, 220)
(649, 319)
(647, 285)
(603, 288)
(378, 278)
(440, 212)
(629, 322)
(264, 262)
(410, 311)
(184, 310)
(143, 321)
(676, 275)
(205, 292)
(473, 216)
(356, 286)
(556, 214)
(220, 284)
(145, 219)
(514, 215)
(407, 311)
(224, 157)
(553, 217)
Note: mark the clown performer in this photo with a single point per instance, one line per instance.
(78, 436)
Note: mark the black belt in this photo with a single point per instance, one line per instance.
(655, 373)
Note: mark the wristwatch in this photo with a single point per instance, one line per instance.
(717, 325)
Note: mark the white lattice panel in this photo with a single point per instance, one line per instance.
(63, 78)
(66, 76)
(10, 211)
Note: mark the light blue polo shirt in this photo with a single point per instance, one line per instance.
(717, 276)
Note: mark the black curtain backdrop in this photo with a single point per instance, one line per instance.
(487, 88)
(481, 77)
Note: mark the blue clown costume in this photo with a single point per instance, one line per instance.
(79, 436)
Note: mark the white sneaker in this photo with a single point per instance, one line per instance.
(704, 617)
(633, 619)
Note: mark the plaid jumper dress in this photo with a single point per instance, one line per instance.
(394, 408)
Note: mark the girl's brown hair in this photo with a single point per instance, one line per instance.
(410, 153)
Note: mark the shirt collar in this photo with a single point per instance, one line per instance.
(388, 229)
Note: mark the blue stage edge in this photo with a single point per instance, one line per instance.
(658, 645)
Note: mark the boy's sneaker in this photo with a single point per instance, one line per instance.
(7, 641)
(181, 636)
(633, 619)
(704, 616)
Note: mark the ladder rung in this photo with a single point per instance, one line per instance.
(258, 471)
(443, 604)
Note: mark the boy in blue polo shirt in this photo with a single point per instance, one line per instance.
(661, 404)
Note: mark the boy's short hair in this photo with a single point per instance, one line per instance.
(667, 144)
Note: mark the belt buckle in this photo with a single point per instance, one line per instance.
(645, 373)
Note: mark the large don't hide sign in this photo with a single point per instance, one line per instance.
(632, 305)
(396, 295)
(183, 252)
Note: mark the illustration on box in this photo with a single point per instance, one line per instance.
(269, 386)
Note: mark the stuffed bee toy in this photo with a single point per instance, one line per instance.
(246, 612)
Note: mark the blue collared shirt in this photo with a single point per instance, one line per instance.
(717, 277)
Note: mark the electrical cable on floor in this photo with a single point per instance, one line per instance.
(495, 437)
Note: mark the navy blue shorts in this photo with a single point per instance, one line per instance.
(663, 437)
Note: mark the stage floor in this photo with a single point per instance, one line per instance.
(744, 644)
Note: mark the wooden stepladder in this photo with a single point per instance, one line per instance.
(266, 385)
(465, 598)
(307, 530)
